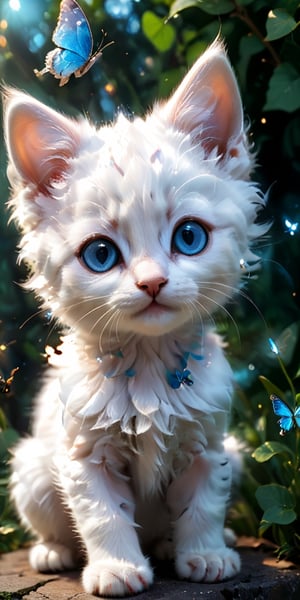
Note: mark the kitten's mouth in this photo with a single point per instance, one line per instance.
(154, 309)
(155, 319)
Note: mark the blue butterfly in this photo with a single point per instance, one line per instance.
(288, 419)
(74, 41)
(178, 377)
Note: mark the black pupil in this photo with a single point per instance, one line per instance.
(188, 236)
(102, 253)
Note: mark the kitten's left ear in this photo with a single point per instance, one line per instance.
(40, 141)
(207, 105)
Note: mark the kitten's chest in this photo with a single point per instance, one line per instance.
(159, 459)
(154, 402)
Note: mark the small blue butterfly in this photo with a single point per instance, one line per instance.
(288, 419)
(291, 227)
(74, 41)
(178, 377)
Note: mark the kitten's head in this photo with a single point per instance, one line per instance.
(138, 227)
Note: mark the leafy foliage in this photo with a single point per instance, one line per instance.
(11, 533)
(155, 41)
(280, 501)
(158, 31)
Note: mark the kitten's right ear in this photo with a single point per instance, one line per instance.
(207, 106)
(40, 141)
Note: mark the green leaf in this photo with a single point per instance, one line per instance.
(8, 438)
(212, 7)
(160, 33)
(249, 46)
(275, 515)
(280, 515)
(270, 387)
(180, 5)
(194, 51)
(277, 502)
(279, 23)
(3, 420)
(284, 89)
(264, 452)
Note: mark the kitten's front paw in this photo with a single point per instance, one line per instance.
(210, 566)
(48, 557)
(116, 578)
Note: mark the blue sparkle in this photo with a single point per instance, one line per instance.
(133, 24)
(291, 226)
(118, 9)
(273, 346)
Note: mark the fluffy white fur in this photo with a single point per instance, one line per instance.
(121, 462)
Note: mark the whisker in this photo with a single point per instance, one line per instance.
(200, 308)
(98, 321)
(224, 309)
(118, 315)
(33, 316)
(192, 304)
(87, 299)
(108, 323)
(241, 293)
(90, 312)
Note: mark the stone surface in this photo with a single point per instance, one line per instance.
(262, 577)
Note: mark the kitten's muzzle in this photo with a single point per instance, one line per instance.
(149, 277)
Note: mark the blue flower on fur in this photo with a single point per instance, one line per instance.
(178, 377)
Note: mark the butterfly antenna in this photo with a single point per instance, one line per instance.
(101, 47)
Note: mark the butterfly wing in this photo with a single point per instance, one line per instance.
(282, 410)
(73, 32)
(297, 416)
(61, 64)
(74, 41)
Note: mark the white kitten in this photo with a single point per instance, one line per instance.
(135, 233)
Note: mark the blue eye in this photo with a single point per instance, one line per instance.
(190, 238)
(100, 255)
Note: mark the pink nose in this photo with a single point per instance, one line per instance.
(151, 286)
(149, 276)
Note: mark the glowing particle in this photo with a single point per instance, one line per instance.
(110, 88)
(15, 5)
(273, 346)
(291, 226)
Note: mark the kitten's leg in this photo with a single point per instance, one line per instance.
(197, 500)
(101, 501)
(40, 508)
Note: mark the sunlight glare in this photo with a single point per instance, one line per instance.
(15, 5)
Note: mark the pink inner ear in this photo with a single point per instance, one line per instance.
(207, 104)
(40, 141)
(225, 121)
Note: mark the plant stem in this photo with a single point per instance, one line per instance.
(291, 385)
(242, 14)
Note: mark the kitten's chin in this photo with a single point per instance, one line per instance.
(155, 320)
